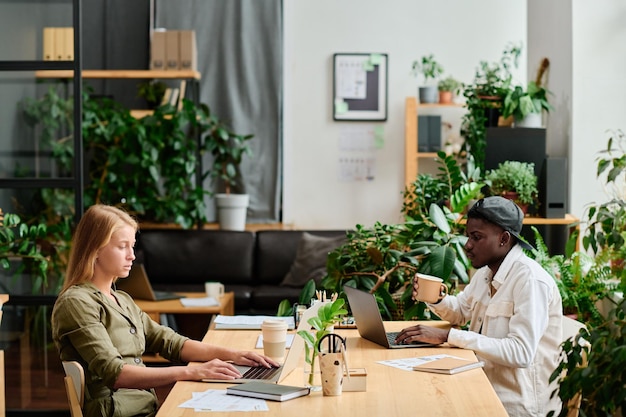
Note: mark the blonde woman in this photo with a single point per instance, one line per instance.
(107, 333)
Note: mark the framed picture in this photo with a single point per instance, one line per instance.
(360, 87)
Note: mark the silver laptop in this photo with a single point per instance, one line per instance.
(369, 322)
(138, 286)
(292, 359)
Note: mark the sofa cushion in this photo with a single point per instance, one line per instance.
(310, 260)
(191, 257)
(276, 250)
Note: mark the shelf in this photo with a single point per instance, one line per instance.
(411, 154)
(122, 74)
(36, 65)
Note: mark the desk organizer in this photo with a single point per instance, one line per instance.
(357, 381)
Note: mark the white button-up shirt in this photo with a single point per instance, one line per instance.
(517, 332)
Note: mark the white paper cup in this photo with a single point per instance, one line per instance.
(429, 289)
(214, 289)
(274, 338)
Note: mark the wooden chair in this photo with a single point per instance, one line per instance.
(74, 386)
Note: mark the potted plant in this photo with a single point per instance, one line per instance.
(449, 87)
(606, 222)
(484, 98)
(228, 150)
(430, 69)
(526, 105)
(514, 180)
(152, 91)
(328, 315)
(591, 369)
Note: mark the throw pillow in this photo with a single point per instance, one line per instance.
(310, 262)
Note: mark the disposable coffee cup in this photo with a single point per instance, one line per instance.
(429, 289)
(214, 289)
(274, 338)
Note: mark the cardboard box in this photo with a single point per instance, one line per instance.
(357, 381)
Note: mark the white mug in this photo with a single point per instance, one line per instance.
(214, 289)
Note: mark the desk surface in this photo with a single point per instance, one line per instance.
(155, 308)
(390, 391)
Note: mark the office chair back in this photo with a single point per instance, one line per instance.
(74, 386)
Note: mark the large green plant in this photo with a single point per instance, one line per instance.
(384, 259)
(606, 222)
(149, 165)
(21, 242)
(592, 368)
(491, 83)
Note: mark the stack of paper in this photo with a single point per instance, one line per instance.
(248, 322)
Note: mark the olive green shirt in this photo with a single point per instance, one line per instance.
(103, 336)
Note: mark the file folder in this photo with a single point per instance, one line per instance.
(157, 51)
(48, 44)
(172, 55)
(188, 50)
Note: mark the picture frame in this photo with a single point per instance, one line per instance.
(360, 86)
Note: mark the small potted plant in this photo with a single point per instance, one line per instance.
(152, 91)
(449, 87)
(526, 106)
(514, 180)
(430, 69)
(228, 150)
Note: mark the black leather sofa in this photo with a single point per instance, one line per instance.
(252, 264)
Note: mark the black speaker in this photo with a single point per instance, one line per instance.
(553, 188)
(515, 144)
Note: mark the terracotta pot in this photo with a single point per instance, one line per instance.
(512, 195)
(445, 97)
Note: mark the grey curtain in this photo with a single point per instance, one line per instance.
(240, 59)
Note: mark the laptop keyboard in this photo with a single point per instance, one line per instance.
(391, 337)
(260, 372)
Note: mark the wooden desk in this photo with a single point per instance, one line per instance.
(156, 308)
(390, 391)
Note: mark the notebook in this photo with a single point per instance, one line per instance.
(276, 375)
(369, 322)
(138, 286)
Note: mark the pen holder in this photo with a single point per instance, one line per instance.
(332, 367)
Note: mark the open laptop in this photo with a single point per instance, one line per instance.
(138, 286)
(292, 359)
(369, 322)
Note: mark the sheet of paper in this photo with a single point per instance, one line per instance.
(288, 341)
(218, 400)
(199, 302)
(248, 322)
(407, 364)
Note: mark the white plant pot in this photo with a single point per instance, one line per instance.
(531, 120)
(232, 210)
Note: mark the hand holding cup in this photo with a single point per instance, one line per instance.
(428, 288)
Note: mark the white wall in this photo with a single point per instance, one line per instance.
(599, 83)
(459, 33)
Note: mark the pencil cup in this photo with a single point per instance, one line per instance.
(331, 366)
(274, 338)
(429, 289)
(214, 289)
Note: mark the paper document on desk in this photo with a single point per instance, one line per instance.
(248, 322)
(199, 302)
(217, 400)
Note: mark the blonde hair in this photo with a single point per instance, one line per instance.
(93, 232)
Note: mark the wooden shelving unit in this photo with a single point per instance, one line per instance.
(411, 154)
